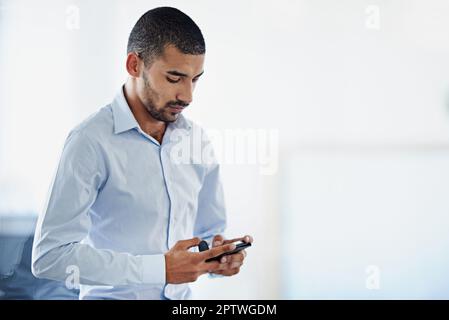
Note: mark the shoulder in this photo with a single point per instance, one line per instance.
(84, 147)
(96, 128)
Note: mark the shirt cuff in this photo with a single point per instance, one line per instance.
(153, 269)
(215, 276)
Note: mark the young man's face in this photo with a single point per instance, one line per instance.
(166, 87)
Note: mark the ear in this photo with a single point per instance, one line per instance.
(133, 65)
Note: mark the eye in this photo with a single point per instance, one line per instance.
(173, 80)
(195, 80)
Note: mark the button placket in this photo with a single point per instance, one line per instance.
(172, 216)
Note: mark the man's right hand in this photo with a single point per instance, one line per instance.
(183, 266)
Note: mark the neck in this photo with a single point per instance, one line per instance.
(147, 123)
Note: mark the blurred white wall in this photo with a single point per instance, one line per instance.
(369, 222)
(325, 74)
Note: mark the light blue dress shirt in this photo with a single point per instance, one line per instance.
(120, 200)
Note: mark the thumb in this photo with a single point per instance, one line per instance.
(187, 244)
(217, 241)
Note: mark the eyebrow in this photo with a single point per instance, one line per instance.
(180, 74)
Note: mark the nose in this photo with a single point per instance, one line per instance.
(186, 93)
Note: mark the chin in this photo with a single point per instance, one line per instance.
(172, 117)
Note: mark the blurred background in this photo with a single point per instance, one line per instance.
(354, 93)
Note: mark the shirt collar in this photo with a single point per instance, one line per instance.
(124, 119)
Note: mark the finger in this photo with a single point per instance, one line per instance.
(236, 257)
(187, 244)
(209, 266)
(230, 272)
(231, 265)
(233, 240)
(218, 240)
(246, 239)
(212, 266)
(216, 251)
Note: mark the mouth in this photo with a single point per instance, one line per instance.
(176, 109)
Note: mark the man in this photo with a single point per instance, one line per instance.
(124, 212)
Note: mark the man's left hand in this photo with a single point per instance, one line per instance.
(231, 263)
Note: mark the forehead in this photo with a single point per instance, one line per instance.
(172, 58)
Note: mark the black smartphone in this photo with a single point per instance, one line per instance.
(239, 247)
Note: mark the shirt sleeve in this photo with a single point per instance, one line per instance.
(58, 247)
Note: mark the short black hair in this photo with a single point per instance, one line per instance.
(163, 26)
